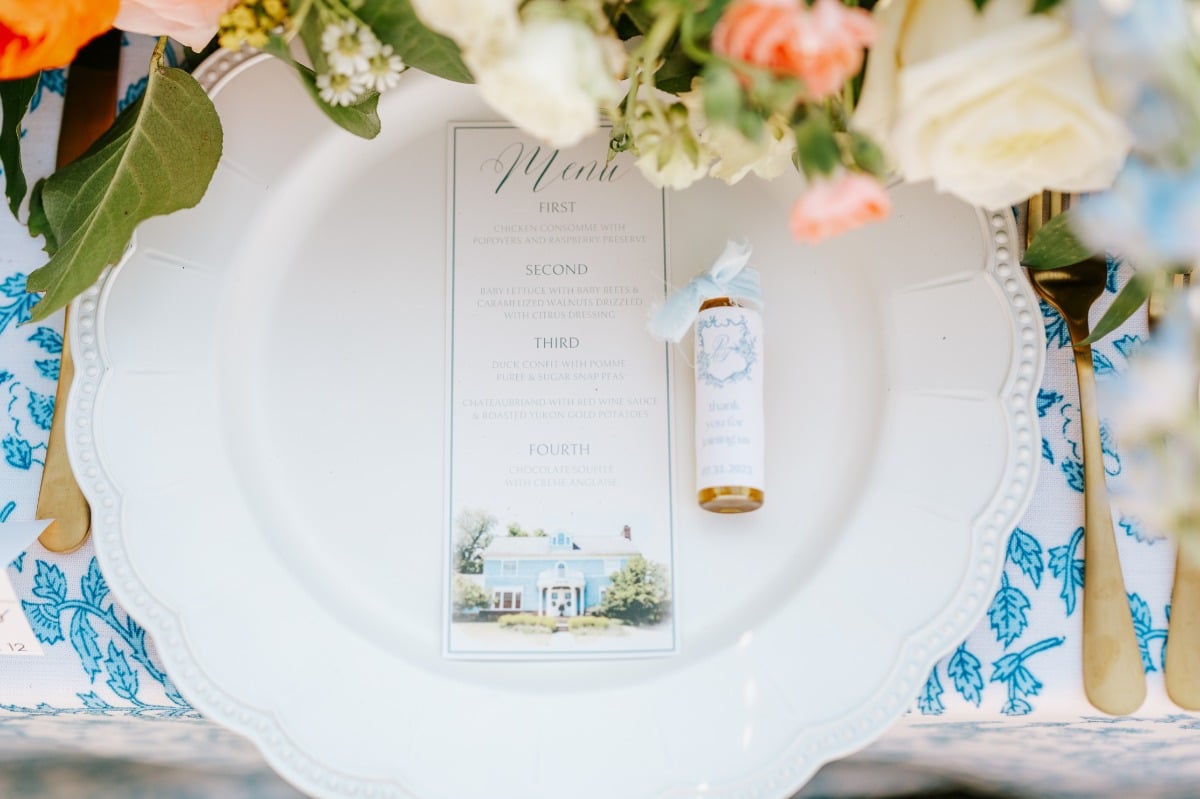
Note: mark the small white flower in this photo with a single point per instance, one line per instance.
(349, 47)
(383, 71)
(669, 151)
(769, 156)
(336, 88)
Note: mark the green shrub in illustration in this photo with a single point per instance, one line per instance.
(469, 596)
(528, 623)
(639, 593)
(586, 623)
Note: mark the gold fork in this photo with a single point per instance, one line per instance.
(1112, 663)
(1182, 666)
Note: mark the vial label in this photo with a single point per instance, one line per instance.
(729, 398)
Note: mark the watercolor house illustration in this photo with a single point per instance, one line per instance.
(555, 575)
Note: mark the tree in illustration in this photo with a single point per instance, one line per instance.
(517, 531)
(474, 533)
(469, 596)
(639, 593)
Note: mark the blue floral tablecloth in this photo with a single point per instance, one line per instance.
(1005, 710)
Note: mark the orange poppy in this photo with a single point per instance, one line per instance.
(43, 34)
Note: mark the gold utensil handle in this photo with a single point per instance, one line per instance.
(1112, 662)
(60, 498)
(1182, 666)
(88, 109)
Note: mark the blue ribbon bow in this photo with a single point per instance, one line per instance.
(728, 277)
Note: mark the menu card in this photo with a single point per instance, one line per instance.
(559, 489)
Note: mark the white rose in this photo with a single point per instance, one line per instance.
(993, 106)
(668, 148)
(482, 28)
(552, 80)
(768, 156)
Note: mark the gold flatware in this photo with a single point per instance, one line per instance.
(1182, 666)
(59, 497)
(1112, 663)
(88, 110)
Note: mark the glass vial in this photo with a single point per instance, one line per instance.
(729, 407)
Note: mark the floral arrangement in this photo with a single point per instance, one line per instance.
(993, 100)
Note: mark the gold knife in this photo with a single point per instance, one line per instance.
(88, 111)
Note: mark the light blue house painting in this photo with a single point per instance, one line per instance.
(556, 575)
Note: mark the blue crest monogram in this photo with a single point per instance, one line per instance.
(725, 350)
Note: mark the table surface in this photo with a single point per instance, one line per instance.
(1004, 710)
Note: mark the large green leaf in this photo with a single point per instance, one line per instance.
(38, 224)
(14, 100)
(1056, 245)
(1126, 303)
(361, 119)
(395, 23)
(158, 157)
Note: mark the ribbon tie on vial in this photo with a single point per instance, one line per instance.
(727, 277)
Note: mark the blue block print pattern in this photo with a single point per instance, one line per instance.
(1028, 644)
(53, 81)
(110, 646)
(28, 400)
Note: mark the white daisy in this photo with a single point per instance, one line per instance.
(349, 46)
(338, 89)
(384, 70)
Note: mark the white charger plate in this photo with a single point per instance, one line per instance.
(258, 424)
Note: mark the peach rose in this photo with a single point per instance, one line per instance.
(43, 34)
(822, 45)
(831, 207)
(192, 22)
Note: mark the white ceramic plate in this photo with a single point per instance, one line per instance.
(267, 479)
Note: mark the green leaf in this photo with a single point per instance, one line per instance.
(1126, 303)
(1056, 245)
(722, 95)
(395, 23)
(362, 119)
(778, 93)
(1042, 6)
(14, 101)
(640, 18)
(816, 146)
(38, 224)
(979, 4)
(750, 124)
(676, 73)
(708, 17)
(158, 157)
(867, 154)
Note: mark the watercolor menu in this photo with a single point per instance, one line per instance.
(559, 522)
